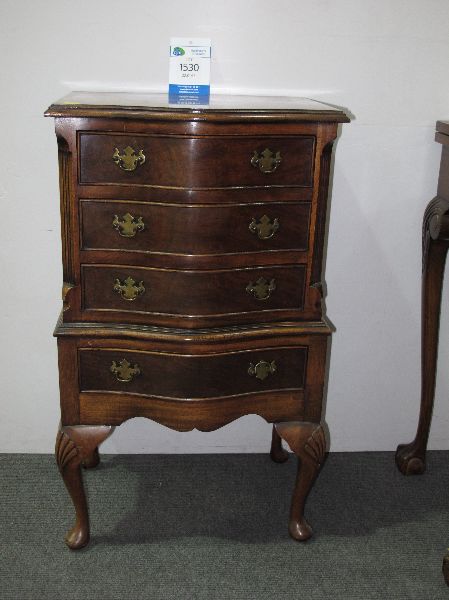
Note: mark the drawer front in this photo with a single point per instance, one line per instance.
(201, 162)
(192, 293)
(192, 377)
(178, 229)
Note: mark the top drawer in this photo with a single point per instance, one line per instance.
(195, 162)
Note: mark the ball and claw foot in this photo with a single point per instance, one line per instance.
(410, 460)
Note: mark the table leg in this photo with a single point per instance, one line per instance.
(446, 567)
(277, 453)
(308, 442)
(93, 460)
(410, 458)
(76, 445)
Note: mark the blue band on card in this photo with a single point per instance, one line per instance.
(197, 90)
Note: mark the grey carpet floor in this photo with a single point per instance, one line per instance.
(173, 527)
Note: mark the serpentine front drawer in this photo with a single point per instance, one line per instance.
(195, 162)
(180, 377)
(190, 229)
(221, 296)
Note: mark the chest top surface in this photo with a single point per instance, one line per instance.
(219, 107)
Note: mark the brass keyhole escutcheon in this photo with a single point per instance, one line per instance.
(262, 289)
(262, 369)
(130, 159)
(265, 228)
(128, 289)
(124, 372)
(128, 226)
(267, 161)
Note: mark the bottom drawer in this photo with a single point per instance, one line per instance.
(187, 381)
(180, 377)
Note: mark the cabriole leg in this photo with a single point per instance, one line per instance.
(308, 442)
(446, 567)
(93, 460)
(76, 445)
(277, 453)
(411, 458)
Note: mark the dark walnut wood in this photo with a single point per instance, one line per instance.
(192, 245)
(411, 458)
(193, 258)
(185, 384)
(446, 567)
(219, 161)
(194, 297)
(277, 452)
(93, 460)
(308, 442)
(219, 108)
(76, 446)
(186, 229)
(176, 377)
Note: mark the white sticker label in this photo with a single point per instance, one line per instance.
(189, 66)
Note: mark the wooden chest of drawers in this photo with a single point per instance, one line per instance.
(192, 255)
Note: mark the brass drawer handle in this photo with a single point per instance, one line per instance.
(129, 160)
(267, 161)
(124, 372)
(129, 225)
(262, 288)
(128, 289)
(265, 228)
(262, 369)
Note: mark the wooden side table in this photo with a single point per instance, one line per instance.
(411, 458)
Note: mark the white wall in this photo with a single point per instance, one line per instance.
(386, 60)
